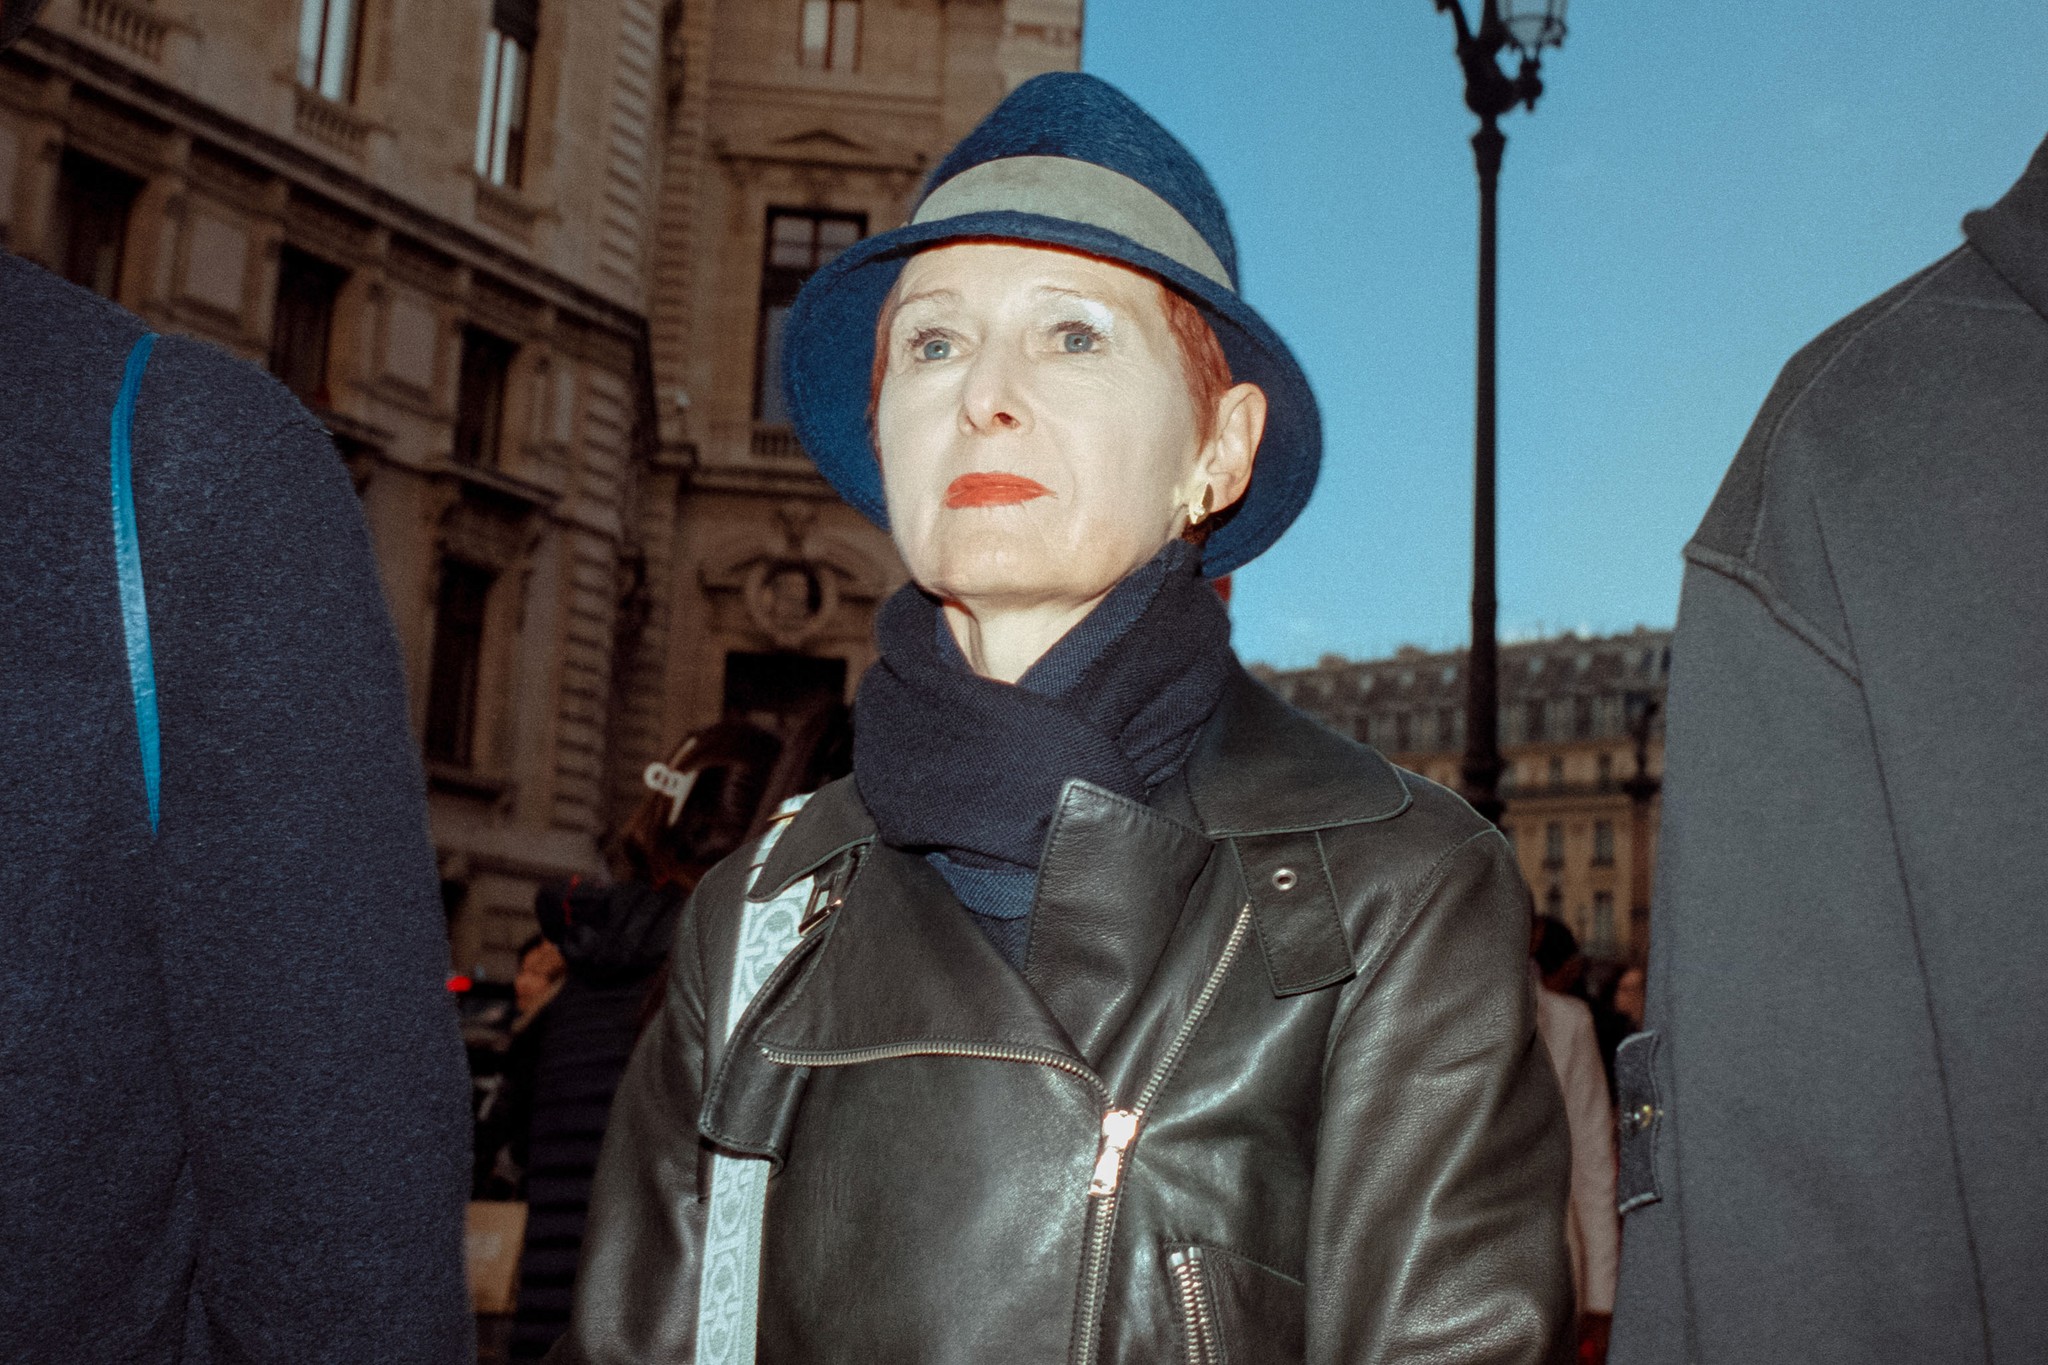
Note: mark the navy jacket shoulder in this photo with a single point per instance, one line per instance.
(233, 1078)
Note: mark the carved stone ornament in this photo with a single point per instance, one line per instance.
(789, 599)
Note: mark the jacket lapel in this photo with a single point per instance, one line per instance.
(904, 966)
(1111, 885)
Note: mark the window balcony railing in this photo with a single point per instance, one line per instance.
(505, 210)
(331, 124)
(131, 27)
(775, 441)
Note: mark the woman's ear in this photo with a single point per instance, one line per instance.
(1225, 463)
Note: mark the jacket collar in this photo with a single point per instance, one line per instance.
(1112, 884)
(1110, 889)
(830, 823)
(1262, 767)
(1258, 767)
(2013, 233)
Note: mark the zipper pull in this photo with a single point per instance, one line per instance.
(1119, 1126)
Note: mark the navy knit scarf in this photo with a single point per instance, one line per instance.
(969, 770)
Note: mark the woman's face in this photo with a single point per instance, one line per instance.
(1628, 994)
(1037, 435)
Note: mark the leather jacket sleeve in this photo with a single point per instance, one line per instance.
(1442, 1172)
(636, 1291)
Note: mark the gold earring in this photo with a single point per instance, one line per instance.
(1198, 510)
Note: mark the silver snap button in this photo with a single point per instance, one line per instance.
(1284, 879)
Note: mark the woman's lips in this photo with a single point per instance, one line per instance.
(993, 490)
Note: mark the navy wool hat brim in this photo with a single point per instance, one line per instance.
(828, 344)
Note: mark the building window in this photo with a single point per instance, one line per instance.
(798, 244)
(1447, 729)
(301, 323)
(90, 224)
(1361, 729)
(831, 34)
(480, 396)
(1402, 734)
(1603, 843)
(458, 661)
(1553, 902)
(1532, 721)
(1556, 773)
(327, 47)
(508, 72)
(1582, 718)
(1606, 769)
(1604, 942)
(1553, 844)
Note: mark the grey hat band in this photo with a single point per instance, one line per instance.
(1080, 192)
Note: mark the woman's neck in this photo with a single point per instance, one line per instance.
(1003, 641)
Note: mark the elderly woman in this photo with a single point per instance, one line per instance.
(1134, 1017)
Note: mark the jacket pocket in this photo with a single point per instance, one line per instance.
(1234, 1311)
(1640, 1115)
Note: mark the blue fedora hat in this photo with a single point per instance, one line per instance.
(1070, 161)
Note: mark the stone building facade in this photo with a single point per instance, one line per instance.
(1577, 717)
(795, 127)
(521, 257)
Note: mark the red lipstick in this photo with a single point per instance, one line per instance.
(993, 490)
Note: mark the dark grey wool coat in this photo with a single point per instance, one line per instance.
(1835, 1135)
(233, 1116)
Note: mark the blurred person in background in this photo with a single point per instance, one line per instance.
(1625, 996)
(615, 939)
(505, 1070)
(1835, 1127)
(1593, 1229)
(230, 1070)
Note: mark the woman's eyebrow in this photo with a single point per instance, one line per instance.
(921, 295)
(924, 295)
(1084, 296)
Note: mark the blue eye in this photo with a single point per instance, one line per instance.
(934, 348)
(1078, 340)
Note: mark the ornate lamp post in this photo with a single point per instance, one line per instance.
(1529, 26)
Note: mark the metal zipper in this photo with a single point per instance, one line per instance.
(1119, 1132)
(1198, 1325)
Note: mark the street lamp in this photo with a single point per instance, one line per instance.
(1528, 26)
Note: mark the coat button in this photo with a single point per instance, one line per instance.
(1284, 879)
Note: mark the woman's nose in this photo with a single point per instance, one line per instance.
(993, 400)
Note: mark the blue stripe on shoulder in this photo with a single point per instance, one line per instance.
(128, 569)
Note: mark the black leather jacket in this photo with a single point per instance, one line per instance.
(1293, 991)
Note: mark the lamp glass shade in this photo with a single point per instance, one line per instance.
(1533, 24)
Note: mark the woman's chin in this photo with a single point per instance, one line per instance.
(996, 567)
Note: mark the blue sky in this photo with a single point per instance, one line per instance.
(1700, 191)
